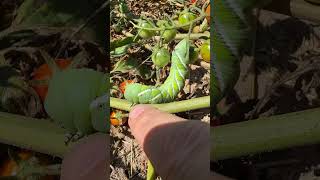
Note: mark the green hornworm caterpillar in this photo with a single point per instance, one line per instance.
(167, 92)
(69, 100)
(232, 22)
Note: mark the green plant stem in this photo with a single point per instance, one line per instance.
(158, 75)
(193, 36)
(265, 134)
(151, 174)
(39, 135)
(173, 107)
(201, 16)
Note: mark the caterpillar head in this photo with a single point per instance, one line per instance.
(99, 108)
(99, 114)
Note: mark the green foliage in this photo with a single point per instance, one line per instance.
(131, 64)
(232, 35)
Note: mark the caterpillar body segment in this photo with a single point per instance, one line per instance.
(70, 94)
(53, 105)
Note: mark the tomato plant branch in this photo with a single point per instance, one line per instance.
(43, 136)
(265, 134)
(202, 16)
(173, 107)
(39, 135)
(193, 36)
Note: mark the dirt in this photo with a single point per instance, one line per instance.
(284, 47)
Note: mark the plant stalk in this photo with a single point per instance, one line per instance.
(199, 18)
(227, 141)
(173, 107)
(265, 134)
(39, 135)
(193, 36)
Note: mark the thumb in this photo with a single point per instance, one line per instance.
(88, 159)
(177, 148)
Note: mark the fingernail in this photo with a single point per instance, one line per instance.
(136, 112)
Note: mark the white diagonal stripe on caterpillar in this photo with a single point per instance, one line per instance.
(178, 84)
(143, 92)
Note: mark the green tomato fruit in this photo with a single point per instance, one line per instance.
(145, 34)
(205, 51)
(185, 18)
(169, 34)
(160, 57)
(193, 54)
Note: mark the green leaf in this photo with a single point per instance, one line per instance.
(131, 64)
(204, 25)
(121, 42)
(120, 51)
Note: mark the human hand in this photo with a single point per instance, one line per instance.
(178, 148)
(88, 159)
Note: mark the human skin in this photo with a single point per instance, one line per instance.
(178, 148)
(88, 159)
